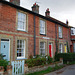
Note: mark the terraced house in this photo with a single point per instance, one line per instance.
(72, 36)
(24, 33)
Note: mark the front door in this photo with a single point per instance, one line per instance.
(65, 47)
(5, 48)
(50, 50)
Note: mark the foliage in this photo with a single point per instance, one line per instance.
(50, 60)
(66, 57)
(4, 63)
(1, 57)
(37, 61)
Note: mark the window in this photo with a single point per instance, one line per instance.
(42, 48)
(21, 21)
(60, 48)
(72, 32)
(20, 49)
(60, 32)
(42, 27)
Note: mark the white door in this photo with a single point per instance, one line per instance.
(5, 48)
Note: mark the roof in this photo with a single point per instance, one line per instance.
(71, 27)
(36, 14)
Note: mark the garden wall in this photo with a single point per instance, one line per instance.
(40, 68)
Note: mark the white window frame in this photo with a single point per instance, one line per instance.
(42, 27)
(23, 45)
(42, 49)
(21, 21)
(60, 32)
(60, 48)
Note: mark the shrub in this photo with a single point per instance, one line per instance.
(4, 63)
(66, 57)
(37, 61)
(50, 60)
(1, 57)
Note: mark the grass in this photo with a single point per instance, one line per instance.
(48, 70)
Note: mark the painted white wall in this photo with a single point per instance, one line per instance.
(72, 31)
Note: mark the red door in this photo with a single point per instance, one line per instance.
(50, 52)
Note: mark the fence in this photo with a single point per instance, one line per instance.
(17, 67)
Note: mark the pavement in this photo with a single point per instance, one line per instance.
(68, 70)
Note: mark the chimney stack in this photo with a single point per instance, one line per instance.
(35, 8)
(47, 13)
(16, 2)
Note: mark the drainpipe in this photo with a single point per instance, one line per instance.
(34, 38)
(56, 38)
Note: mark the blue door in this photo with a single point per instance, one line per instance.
(5, 49)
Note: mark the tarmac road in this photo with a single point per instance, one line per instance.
(68, 70)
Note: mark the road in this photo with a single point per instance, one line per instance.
(68, 70)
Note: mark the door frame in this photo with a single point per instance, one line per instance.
(9, 46)
(52, 48)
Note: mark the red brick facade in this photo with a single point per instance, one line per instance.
(72, 38)
(8, 29)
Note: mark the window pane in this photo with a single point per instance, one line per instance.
(60, 32)
(42, 48)
(20, 48)
(21, 21)
(42, 27)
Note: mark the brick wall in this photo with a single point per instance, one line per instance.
(8, 27)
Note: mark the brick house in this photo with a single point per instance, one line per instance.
(72, 36)
(24, 32)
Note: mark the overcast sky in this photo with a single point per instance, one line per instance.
(59, 9)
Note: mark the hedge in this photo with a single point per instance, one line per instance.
(66, 57)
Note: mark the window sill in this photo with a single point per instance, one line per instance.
(60, 37)
(22, 30)
(21, 58)
(43, 34)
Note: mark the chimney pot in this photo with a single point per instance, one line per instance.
(67, 22)
(35, 8)
(47, 13)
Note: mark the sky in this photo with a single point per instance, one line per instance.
(61, 10)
